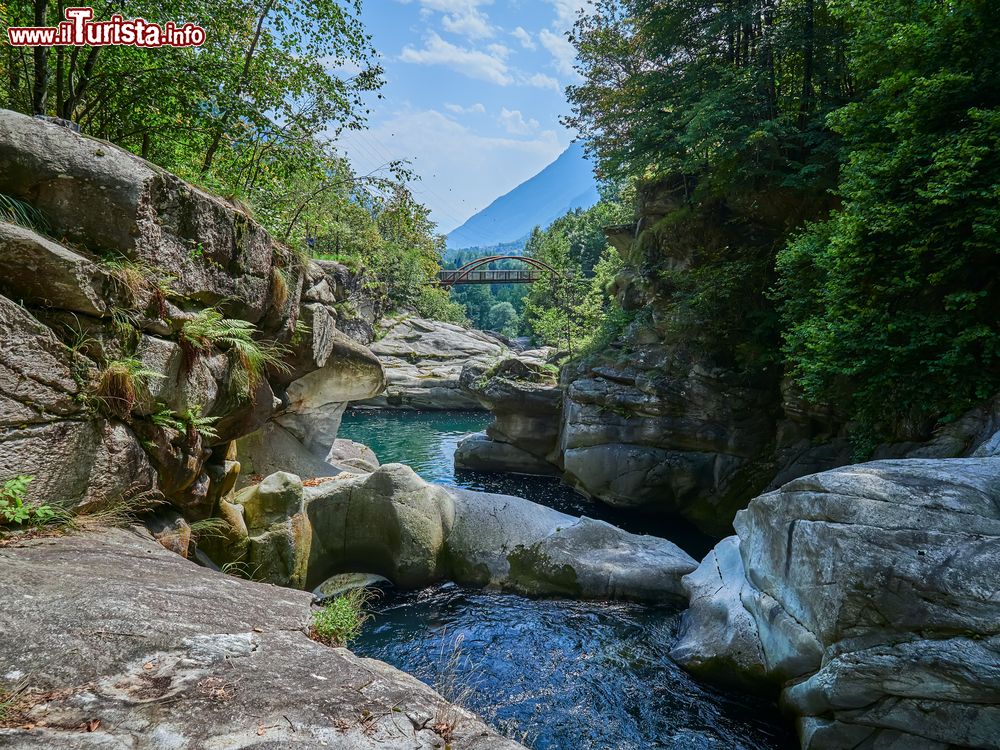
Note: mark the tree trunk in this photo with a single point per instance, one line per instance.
(808, 61)
(41, 54)
(224, 120)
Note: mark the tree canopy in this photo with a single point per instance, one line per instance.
(250, 115)
(831, 175)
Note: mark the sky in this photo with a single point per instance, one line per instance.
(473, 96)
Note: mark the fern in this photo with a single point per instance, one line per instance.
(251, 358)
(190, 422)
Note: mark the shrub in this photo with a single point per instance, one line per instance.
(15, 511)
(339, 621)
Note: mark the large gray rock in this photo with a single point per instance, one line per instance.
(513, 543)
(667, 433)
(144, 254)
(480, 452)
(40, 272)
(271, 449)
(102, 197)
(719, 640)
(353, 456)
(523, 394)
(316, 401)
(423, 361)
(77, 461)
(393, 523)
(873, 595)
(160, 653)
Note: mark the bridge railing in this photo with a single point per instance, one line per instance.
(490, 276)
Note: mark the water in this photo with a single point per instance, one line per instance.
(427, 440)
(554, 674)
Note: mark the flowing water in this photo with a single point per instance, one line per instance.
(555, 674)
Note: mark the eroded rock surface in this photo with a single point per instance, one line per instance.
(523, 394)
(393, 523)
(104, 391)
(423, 361)
(873, 596)
(138, 648)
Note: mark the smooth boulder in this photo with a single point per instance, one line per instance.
(161, 653)
(874, 594)
(423, 361)
(393, 523)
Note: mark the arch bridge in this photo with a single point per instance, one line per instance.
(474, 273)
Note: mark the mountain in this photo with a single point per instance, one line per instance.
(565, 184)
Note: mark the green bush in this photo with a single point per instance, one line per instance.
(340, 620)
(890, 306)
(15, 511)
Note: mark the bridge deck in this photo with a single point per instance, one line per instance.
(491, 276)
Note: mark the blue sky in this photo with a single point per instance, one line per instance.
(473, 97)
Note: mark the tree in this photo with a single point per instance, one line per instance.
(891, 306)
(718, 110)
(503, 318)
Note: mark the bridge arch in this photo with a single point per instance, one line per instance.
(463, 275)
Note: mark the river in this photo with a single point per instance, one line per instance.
(554, 674)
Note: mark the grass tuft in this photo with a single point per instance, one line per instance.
(119, 386)
(340, 620)
(16, 211)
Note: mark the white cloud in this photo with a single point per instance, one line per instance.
(515, 124)
(524, 37)
(566, 12)
(562, 51)
(473, 109)
(542, 81)
(471, 24)
(469, 62)
(452, 160)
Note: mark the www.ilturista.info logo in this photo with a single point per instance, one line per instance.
(79, 30)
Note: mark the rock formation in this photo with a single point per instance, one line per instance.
(522, 392)
(393, 523)
(869, 596)
(423, 360)
(118, 369)
(669, 422)
(137, 647)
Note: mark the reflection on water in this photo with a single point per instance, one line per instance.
(555, 674)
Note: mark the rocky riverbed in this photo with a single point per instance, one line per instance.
(865, 597)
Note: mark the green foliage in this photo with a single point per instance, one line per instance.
(824, 171)
(574, 308)
(340, 620)
(890, 306)
(435, 303)
(236, 113)
(190, 422)
(391, 237)
(247, 116)
(16, 511)
(250, 358)
(503, 318)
